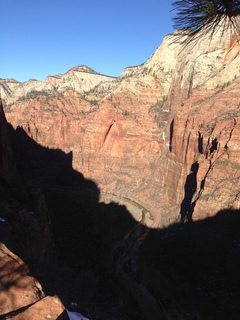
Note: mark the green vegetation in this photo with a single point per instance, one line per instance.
(35, 94)
(126, 113)
(195, 15)
(158, 106)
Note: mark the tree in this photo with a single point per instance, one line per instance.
(207, 16)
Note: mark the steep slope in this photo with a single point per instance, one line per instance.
(204, 129)
(24, 229)
(163, 135)
(122, 269)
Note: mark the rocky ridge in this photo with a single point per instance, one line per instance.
(81, 79)
(163, 134)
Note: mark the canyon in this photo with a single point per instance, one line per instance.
(138, 136)
(120, 196)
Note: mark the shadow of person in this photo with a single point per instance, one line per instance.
(190, 187)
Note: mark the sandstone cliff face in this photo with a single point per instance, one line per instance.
(21, 295)
(164, 134)
(204, 102)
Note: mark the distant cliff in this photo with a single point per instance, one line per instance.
(164, 134)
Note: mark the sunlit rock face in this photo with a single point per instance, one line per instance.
(21, 295)
(164, 134)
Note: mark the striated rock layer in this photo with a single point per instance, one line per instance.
(164, 134)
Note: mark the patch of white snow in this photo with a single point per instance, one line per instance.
(75, 316)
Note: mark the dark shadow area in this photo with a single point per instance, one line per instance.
(190, 187)
(171, 135)
(200, 143)
(196, 267)
(213, 146)
(54, 222)
(102, 261)
(63, 316)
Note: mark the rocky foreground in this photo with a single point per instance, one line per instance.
(98, 175)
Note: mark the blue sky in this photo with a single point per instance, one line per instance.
(47, 37)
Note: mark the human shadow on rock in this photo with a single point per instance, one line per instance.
(190, 187)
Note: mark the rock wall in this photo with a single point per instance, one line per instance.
(204, 103)
(164, 134)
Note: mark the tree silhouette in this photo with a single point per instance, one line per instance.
(207, 16)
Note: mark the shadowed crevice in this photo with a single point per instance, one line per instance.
(200, 143)
(190, 187)
(171, 135)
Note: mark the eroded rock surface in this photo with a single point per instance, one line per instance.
(138, 135)
(21, 296)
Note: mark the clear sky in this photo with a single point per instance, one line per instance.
(47, 37)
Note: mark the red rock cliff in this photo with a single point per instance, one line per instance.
(164, 134)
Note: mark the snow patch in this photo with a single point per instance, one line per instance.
(75, 316)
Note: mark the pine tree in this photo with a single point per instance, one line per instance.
(207, 16)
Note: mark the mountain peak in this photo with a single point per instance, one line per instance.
(83, 68)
